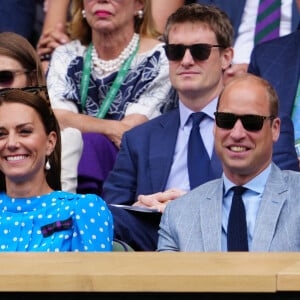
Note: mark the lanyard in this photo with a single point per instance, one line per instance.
(114, 88)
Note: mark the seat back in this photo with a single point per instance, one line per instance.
(119, 245)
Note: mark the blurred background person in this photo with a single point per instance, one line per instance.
(54, 30)
(161, 10)
(278, 61)
(24, 17)
(112, 76)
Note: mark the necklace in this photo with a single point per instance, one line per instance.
(107, 66)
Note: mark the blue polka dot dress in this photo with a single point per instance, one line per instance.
(58, 221)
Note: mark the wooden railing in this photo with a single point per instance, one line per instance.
(150, 272)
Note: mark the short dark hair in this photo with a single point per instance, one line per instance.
(212, 16)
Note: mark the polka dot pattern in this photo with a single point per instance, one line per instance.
(21, 222)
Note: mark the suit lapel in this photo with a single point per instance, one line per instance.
(211, 217)
(216, 165)
(269, 211)
(288, 72)
(162, 146)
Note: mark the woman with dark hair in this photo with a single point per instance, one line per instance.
(20, 66)
(35, 214)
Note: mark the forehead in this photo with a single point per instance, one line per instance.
(245, 97)
(21, 112)
(193, 31)
(8, 63)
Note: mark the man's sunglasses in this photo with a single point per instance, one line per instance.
(28, 89)
(198, 51)
(250, 122)
(8, 76)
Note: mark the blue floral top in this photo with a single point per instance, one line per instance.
(145, 90)
(58, 221)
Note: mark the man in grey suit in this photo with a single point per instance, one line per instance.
(246, 126)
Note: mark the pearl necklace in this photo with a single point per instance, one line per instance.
(107, 66)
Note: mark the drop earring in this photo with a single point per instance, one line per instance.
(47, 165)
(83, 13)
(140, 14)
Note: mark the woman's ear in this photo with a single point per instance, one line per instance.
(52, 138)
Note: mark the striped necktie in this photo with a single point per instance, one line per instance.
(268, 21)
(296, 119)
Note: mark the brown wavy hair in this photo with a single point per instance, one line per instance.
(212, 16)
(17, 47)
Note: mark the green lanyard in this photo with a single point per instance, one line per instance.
(114, 88)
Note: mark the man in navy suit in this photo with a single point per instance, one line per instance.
(242, 14)
(153, 157)
(22, 18)
(236, 8)
(151, 166)
(278, 61)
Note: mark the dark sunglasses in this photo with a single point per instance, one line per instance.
(198, 51)
(28, 89)
(250, 122)
(8, 76)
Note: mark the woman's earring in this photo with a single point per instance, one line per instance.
(47, 165)
(83, 13)
(140, 14)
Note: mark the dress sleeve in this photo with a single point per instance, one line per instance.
(58, 83)
(156, 94)
(93, 229)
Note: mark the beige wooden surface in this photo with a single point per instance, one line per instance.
(289, 278)
(143, 271)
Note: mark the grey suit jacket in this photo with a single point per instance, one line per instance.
(193, 222)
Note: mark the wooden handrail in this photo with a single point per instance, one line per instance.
(147, 272)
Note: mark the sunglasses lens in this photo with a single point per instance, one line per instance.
(200, 51)
(174, 52)
(252, 122)
(225, 120)
(6, 77)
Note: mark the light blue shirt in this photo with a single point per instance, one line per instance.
(251, 198)
(178, 177)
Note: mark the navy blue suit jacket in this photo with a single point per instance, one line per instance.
(235, 9)
(142, 167)
(278, 61)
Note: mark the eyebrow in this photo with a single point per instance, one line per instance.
(19, 125)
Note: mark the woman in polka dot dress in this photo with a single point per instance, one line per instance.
(35, 215)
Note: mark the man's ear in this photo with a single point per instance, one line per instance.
(276, 129)
(227, 57)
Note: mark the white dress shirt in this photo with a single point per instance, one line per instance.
(178, 177)
(245, 38)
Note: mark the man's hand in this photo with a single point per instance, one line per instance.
(234, 70)
(159, 200)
